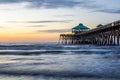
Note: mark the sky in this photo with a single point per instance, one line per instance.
(45, 20)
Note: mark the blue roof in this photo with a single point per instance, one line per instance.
(80, 26)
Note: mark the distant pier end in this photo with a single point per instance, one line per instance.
(108, 34)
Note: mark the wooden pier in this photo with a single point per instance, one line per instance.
(108, 34)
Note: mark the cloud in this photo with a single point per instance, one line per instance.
(55, 31)
(54, 4)
(67, 15)
(2, 26)
(10, 1)
(36, 26)
(95, 5)
(51, 21)
(116, 11)
(45, 3)
(46, 21)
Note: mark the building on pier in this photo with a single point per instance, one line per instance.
(73, 38)
(79, 28)
(100, 25)
(108, 34)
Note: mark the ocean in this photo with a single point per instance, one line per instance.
(52, 61)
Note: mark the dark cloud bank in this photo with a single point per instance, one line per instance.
(45, 3)
(53, 4)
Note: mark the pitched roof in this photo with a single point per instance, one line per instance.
(100, 25)
(80, 26)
